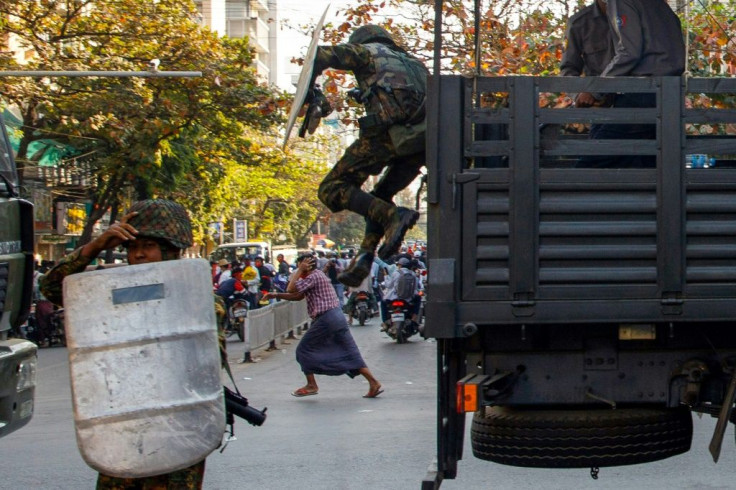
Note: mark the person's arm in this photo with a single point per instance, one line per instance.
(51, 283)
(292, 294)
(350, 57)
(286, 296)
(571, 64)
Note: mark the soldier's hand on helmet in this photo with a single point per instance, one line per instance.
(116, 234)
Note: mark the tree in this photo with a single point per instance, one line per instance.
(130, 124)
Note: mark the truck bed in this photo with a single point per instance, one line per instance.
(519, 234)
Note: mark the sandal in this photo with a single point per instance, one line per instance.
(303, 392)
(373, 393)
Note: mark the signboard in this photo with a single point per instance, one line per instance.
(70, 218)
(240, 230)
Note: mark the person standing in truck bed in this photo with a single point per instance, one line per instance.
(588, 47)
(648, 42)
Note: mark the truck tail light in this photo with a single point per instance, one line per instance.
(469, 392)
(467, 397)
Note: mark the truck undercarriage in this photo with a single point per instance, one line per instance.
(591, 302)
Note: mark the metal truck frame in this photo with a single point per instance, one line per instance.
(17, 356)
(592, 305)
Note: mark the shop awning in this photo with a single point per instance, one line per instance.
(45, 152)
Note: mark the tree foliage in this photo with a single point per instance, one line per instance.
(149, 134)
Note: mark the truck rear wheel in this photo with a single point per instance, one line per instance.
(580, 438)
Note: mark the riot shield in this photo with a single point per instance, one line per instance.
(145, 367)
(302, 86)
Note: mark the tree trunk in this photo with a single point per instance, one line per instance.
(109, 259)
(106, 196)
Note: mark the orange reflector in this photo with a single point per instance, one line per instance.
(467, 397)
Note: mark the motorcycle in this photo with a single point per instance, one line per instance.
(52, 333)
(399, 325)
(280, 281)
(361, 308)
(236, 314)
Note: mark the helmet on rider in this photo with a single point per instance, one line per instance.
(403, 262)
(371, 34)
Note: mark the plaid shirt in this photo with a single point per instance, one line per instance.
(320, 294)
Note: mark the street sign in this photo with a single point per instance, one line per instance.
(240, 229)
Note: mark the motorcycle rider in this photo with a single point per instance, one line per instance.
(153, 230)
(365, 286)
(332, 270)
(390, 292)
(231, 286)
(265, 273)
(283, 265)
(251, 279)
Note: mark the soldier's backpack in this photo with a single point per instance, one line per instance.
(397, 90)
(406, 285)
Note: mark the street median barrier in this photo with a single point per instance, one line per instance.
(280, 320)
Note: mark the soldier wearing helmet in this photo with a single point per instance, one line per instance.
(153, 230)
(392, 87)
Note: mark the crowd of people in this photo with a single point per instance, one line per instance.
(254, 277)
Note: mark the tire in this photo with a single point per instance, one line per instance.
(361, 317)
(580, 438)
(400, 333)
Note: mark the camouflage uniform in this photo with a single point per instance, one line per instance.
(186, 479)
(164, 221)
(371, 153)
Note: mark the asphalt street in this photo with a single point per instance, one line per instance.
(336, 439)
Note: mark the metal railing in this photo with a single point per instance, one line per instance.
(266, 325)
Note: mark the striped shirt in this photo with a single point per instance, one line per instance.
(320, 294)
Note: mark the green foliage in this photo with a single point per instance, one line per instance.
(152, 134)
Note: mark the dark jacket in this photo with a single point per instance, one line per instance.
(648, 39)
(588, 43)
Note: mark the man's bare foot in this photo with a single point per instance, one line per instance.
(374, 391)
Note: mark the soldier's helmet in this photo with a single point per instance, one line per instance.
(162, 219)
(370, 34)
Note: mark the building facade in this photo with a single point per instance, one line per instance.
(255, 19)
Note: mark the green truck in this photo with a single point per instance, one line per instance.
(17, 356)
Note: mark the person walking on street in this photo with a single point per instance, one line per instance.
(392, 87)
(327, 348)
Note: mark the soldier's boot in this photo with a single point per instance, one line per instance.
(395, 226)
(358, 270)
(395, 221)
(364, 204)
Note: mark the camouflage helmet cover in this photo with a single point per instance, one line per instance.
(167, 220)
(370, 34)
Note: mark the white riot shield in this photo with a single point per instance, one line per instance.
(145, 367)
(305, 76)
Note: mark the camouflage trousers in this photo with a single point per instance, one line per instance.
(365, 157)
(187, 479)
